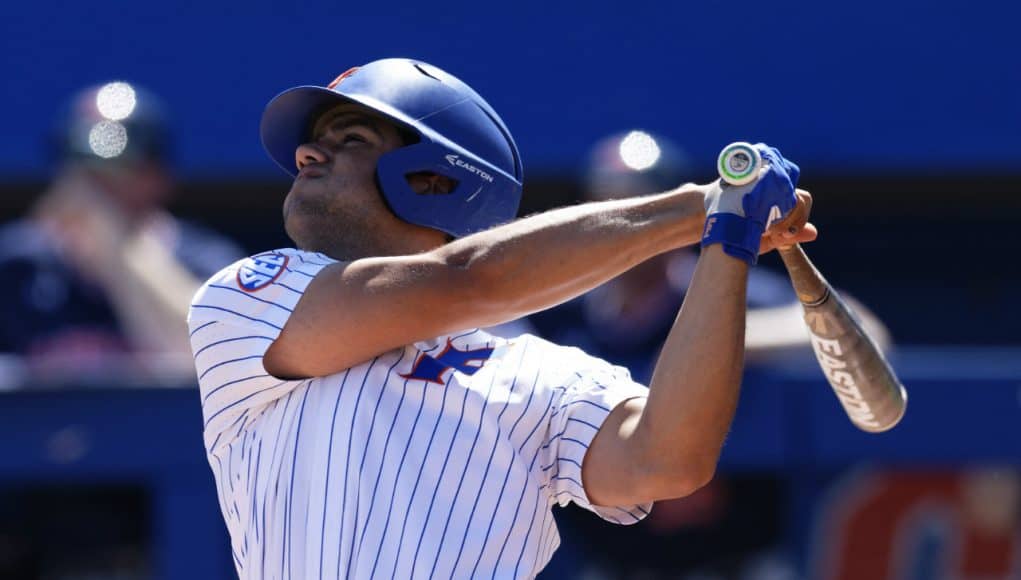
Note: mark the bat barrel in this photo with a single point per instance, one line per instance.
(853, 364)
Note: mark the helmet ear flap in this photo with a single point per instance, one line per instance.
(458, 213)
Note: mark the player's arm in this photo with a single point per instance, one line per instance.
(668, 444)
(356, 310)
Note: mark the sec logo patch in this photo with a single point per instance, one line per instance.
(258, 272)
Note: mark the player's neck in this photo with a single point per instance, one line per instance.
(346, 245)
(347, 250)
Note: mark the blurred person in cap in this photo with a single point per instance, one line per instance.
(626, 320)
(99, 272)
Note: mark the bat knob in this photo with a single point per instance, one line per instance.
(739, 163)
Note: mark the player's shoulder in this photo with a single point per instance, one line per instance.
(258, 271)
(567, 373)
(562, 353)
(564, 364)
(272, 277)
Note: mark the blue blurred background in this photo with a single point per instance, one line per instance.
(905, 117)
(898, 88)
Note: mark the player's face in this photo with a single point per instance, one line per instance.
(335, 205)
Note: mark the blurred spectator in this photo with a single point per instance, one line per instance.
(98, 276)
(626, 320)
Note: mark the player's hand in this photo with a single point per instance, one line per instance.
(793, 229)
(738, 216)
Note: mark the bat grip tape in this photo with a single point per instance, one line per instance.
(820, 300)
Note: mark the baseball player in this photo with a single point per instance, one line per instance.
(360, 426)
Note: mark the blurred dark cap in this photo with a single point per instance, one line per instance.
(635, 163)
(116, 122)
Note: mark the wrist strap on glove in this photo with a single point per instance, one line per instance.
(739, 235)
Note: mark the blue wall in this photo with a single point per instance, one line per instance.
(867, 86)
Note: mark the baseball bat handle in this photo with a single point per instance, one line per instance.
(809, 284)
(853, 364)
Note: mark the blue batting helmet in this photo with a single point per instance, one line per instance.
(459, 136)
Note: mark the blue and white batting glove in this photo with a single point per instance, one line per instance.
(737, 215)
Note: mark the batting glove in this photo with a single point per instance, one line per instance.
(737, 215)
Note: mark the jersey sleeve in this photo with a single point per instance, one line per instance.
(233, 319)
(593, 389)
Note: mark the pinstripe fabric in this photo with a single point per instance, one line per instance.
(372, 473)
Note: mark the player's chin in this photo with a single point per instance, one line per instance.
(306, 195)
(301, 187)
(301, 228)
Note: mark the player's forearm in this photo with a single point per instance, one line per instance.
(542, 260)
(695, 385)
(480, 280)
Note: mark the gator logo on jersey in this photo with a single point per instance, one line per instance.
(258, 272)
(429, 368)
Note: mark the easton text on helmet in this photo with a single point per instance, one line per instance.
(454, 160)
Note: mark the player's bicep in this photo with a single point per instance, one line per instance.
(354, 311)
(612, 472)
(587, 456)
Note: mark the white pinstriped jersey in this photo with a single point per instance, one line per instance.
(442, 459)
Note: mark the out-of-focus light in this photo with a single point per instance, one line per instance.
(108, 139)
(639, 151)
(116, 101)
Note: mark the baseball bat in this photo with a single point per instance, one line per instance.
(862, 379)
(865, 384)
